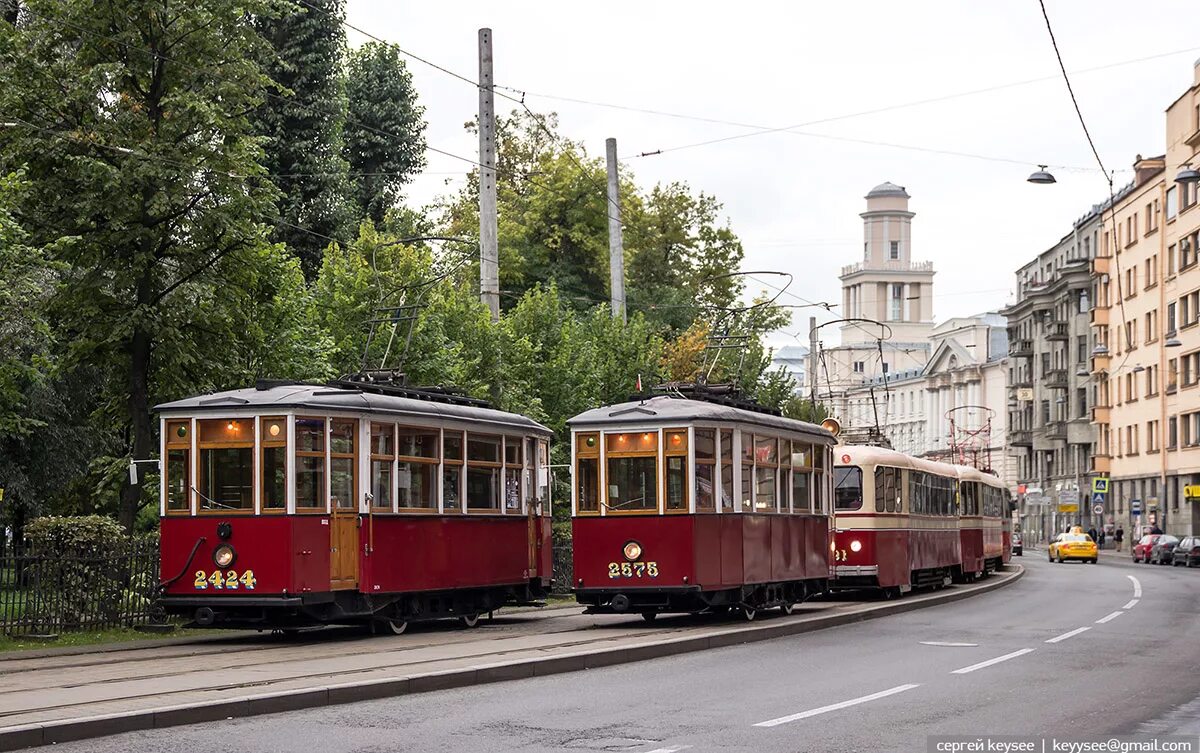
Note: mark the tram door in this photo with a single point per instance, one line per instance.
(343, 505)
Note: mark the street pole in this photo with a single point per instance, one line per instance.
(812, 361)
(616, 247)
(489, 250)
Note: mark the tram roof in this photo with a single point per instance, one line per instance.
(321, 398)
(970, 473)
(666, 409)
(869, 454)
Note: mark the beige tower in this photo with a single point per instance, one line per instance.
(887, 285)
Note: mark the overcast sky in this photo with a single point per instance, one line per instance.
(794, 198)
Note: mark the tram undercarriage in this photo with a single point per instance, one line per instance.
(650, 602)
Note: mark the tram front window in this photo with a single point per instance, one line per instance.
(632, 484)
(847, 488)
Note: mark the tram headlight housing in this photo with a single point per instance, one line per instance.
(856, 546)
(632, 550)
(224, 556)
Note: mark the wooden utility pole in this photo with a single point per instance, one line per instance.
(489, 250)
(616, 246)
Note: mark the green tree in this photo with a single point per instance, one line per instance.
(135, 120)
(302, 122)
(385, 131)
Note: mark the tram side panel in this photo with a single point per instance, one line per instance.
(263, 565)
(971, 539)
(434, 553)
(666, 557)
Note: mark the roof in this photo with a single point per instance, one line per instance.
(323, 398)
(860, 454)
(970, 473)
(665, 409)
(888, 189)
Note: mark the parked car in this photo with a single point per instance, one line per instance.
(1187, 553)
(1017, 545)
(1141, 550)
(1163, 550)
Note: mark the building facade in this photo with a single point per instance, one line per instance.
(1050, 386)
(1147, 359)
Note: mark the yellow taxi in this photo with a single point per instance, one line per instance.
(1074, 545)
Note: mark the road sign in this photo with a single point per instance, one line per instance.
(1135, 507)
(1100, 485)
(1189, 492)
(1097, 499)
(1098, 509)
(1068, 508)
(1025, 394)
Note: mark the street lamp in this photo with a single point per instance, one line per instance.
(1041, 176)
(1082, 371)
(1100, 350)
(1172, 340)
(1138, 369)
(1187, 175)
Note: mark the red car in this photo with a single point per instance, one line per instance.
(1141, 550)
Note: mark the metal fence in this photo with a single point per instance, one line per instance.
(47, 593)
(563, 569)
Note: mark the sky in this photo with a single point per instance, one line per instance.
(794, 196)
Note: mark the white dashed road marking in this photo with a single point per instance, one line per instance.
(948, 643)
(990, 662)
(1137, 587)
(1067, 635)
(1132, 603)
(1109, 617)
(836, 706)
(672, 749)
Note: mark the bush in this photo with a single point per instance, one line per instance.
(83, 535)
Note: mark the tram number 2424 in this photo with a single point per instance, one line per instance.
(228, 580)
(633, 569)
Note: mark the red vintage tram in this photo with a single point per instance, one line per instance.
(902, 521)
(985, 526)
(685, 505)
(287, 505)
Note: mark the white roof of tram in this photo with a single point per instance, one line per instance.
(871, 455)
(323, 398)
(969, 473)
(667, 411)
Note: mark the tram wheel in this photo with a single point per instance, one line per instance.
(749, 613)
(649, 616)
(891, 593)
(787, 608)
(397, 626)
(469, 620)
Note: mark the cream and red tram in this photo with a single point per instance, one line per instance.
(985, 523)
(687, 505)
(896, 520)
(287, 505)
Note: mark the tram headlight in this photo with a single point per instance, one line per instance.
(856, 546)
(632, 550)
(224, 556)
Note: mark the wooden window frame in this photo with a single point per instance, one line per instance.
(374, 457)
(655, 454)
(323, 455)
(583, 452)
(171, 442)
(461, 465)
(754, 473)
(713, 463)
(725, 438)
(519, 467)
(436, 460)
(201, 446)
(352, 456)
(469, 464)
(688, 478)
(260, 467)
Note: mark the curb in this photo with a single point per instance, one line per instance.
(49, 733)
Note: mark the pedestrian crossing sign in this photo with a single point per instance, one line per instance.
(1100, 485)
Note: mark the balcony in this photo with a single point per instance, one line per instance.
(1058, 331)
(1021, 348)
(891, 265)
(1101, 363)
(1101, 414)
(1020, 438)
(1101, 265)
(1057, 430)
(1100, 317)
(1101, 465)
(1056, 379)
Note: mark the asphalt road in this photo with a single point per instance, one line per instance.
(1070, 650)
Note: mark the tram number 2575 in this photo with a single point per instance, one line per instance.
(225, 581)
(633, 569)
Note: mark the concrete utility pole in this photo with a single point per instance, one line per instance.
(812, 360)
(616, 246)
(489, 250)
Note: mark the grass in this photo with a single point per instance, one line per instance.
(92, 638)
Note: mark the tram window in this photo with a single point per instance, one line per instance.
(542, 474)
(310, 464)
(273, 438)
(885, 489)
(643, 441)
(483, 448)
(766, 490)
(801, 491)
(847, 488)
(632, 484)
(676, 483)
(512, 474)
(343, 436)
(587, 478)
(383, 456)
(416, 486)
(483, 472)
(179, 466)
(226, 464)
(417, 443)
(706, 464)
(179, 471)
(452, 472)
(726, 470)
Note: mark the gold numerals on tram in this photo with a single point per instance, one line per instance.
(228, 580)
(839, 555)
(633, 569)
